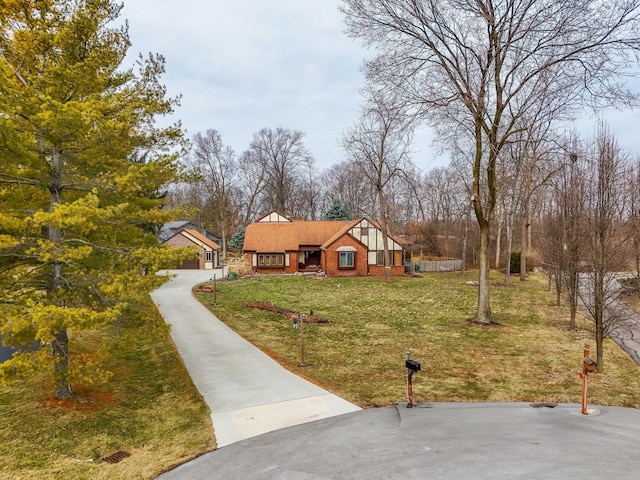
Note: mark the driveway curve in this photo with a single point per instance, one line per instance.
(247, 392)
(262, 415)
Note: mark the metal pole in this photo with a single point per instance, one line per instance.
(302, 317)
(584, 376)
(409, 385)
(215, 291)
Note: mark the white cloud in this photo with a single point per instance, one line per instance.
(242, 65)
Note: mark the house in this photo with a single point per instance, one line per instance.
(340, 248)
(208, 256)
(168, 230)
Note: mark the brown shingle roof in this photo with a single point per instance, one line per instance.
(345, 228)
(281, 237)
(197, 235)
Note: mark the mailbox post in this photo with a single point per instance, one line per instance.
(588, 366)
(298, 322)
(412, 366)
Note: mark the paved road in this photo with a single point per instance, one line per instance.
(625, 330)
(444, 441)
(247, 392)
(627, 333)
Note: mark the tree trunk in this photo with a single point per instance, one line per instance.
(507, 253)
(224, 241)
(60, 344)
(61, 365)
(525, 239)
(463, 268)
(498, 243)
(598, 309)
(558, 283)
(636, 243)
(573, 299)
(483, 315)
(385, 238)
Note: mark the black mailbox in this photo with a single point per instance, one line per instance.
(412, 365)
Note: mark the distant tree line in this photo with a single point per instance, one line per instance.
(496, 82)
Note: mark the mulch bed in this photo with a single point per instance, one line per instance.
(203, 288)
(287, 313)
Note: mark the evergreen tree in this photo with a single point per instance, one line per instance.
(82, 165)
(237, 239)
(337, 211)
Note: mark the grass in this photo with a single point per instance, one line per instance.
(529, 355)
(150, 409)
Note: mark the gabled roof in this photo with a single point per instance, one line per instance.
(400, 240)
(290, 236)
(177, 224)
(202, 238)
(195, 237)
(348, 226)
(274, 217)
(169, 229)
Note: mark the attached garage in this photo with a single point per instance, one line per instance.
(208, 251)
(189, 265)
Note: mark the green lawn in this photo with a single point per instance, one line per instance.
(149, 409)
(530, 355)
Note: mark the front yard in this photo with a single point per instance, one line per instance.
(529, 355)
(151, 409)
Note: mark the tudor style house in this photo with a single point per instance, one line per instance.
(339, 248)
(208, 252)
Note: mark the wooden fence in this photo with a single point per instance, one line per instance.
(450, 265)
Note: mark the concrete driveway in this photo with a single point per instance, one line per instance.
(247, 392)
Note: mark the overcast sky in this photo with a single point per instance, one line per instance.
(242, 65)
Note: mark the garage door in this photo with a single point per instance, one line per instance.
(189, 265)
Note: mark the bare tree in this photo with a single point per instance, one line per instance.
(346, 182)
(607, 233)
(484, 64)
(213, 166)
(379, 145)
(252, 175)
(634, 211)
(404, 203)
(281, 159)
(308, 198)
(526, 169)
(571, 195)
(507, 198)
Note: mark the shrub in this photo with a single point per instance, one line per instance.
(232, 276)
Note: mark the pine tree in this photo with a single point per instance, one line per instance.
(337, 211)
(82, 167)
(237, 239)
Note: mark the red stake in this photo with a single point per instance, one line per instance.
(586, 368)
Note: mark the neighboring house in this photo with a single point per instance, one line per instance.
(339, 248)
(208, 254)
(168, 230)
